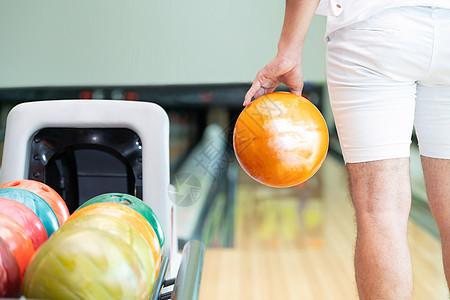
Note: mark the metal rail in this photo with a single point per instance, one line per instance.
(187, 282)
(158, 285)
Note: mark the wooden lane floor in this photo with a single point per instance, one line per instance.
(298, 243)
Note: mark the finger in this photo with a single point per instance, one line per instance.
(270, 90)
(251, 92)
(261, 92)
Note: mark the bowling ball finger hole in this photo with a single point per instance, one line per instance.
(125, 202)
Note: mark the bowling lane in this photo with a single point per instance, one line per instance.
(298, 243)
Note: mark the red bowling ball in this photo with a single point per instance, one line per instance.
(18, 241)
(9, 272)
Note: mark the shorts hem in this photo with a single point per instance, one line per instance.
(435, 155)
(361, 156)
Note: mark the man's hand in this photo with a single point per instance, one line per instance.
(281, 69)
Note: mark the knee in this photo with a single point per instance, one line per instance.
(382, 216)
(380, 191)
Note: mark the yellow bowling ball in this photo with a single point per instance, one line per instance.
(85, 264)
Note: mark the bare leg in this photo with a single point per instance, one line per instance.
(437, 181)
(381, 195)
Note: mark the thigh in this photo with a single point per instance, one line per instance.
(437, 177)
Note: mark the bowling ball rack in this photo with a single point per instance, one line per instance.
(185, 286)
(90, 148)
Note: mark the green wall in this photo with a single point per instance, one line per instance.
(66, 43)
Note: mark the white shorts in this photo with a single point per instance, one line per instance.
(387, 74)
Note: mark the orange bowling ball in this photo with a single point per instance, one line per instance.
(44, 191)
(280, 139)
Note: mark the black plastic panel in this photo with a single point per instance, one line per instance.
(82, 163)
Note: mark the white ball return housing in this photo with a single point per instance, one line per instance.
(83, 148)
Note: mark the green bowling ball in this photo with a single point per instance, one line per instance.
(136, 204)
(85, 264)
(38, 205)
